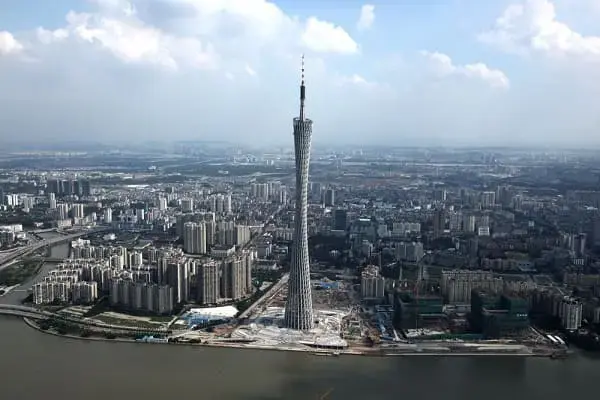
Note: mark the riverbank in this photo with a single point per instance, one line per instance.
(345, 352)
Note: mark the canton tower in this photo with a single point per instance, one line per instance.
(298, 308)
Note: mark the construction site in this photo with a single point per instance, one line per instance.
(332, 303)
(345, 324)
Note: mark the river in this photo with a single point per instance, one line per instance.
(35, 365)
(17, 294)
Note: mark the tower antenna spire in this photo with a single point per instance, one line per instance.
(302, 92)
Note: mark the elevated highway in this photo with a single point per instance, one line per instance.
(34, 313)
(21, 252)
(29, 312)
(22, 314)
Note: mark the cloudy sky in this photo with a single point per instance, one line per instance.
(449, 72)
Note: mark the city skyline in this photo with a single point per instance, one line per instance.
(399, 74)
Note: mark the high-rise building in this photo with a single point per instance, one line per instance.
(488, 199)
(372, 284)
(51, 201)
(298, 308)
(208, 283)
(63, 211)
(439, 195)
(108, 215)
(187, 205)
(234, 278)
(242, 234)
(340, 220)
(194, 238)
(468, 224)
(439, 223)
(227, 204)
(330, 197)
(178, 279)
(162, 203)
(78, 211)
(578, 244)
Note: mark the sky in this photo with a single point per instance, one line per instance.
(391, 72)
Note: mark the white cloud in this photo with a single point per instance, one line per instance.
(366, 18)
(533, 25)
(46, 36)
(201, 33)
(180, 69)
(131, 40)
(8, 43)
(250, 71)
(325, 37)
(259, 23)
(353, 80)
(443, 66)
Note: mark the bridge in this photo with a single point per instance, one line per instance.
(35, 313)
(6, 258)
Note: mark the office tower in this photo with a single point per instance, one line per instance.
(52, 186)
(298, 308)
(595, 230)
(340, 220)
(68, 187)
(330, 197)
(315, 191)
(439, 195)
(578, 244)
(85, 187)
(439, 223)
(504, 195)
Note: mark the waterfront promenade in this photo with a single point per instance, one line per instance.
(431, 349)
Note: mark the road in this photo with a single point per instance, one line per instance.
(267, 296)
(34, 313)
(262, 231)
(5, 259)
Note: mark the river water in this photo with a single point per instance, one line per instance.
(35, 365)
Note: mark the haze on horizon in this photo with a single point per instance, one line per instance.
(455, 72)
